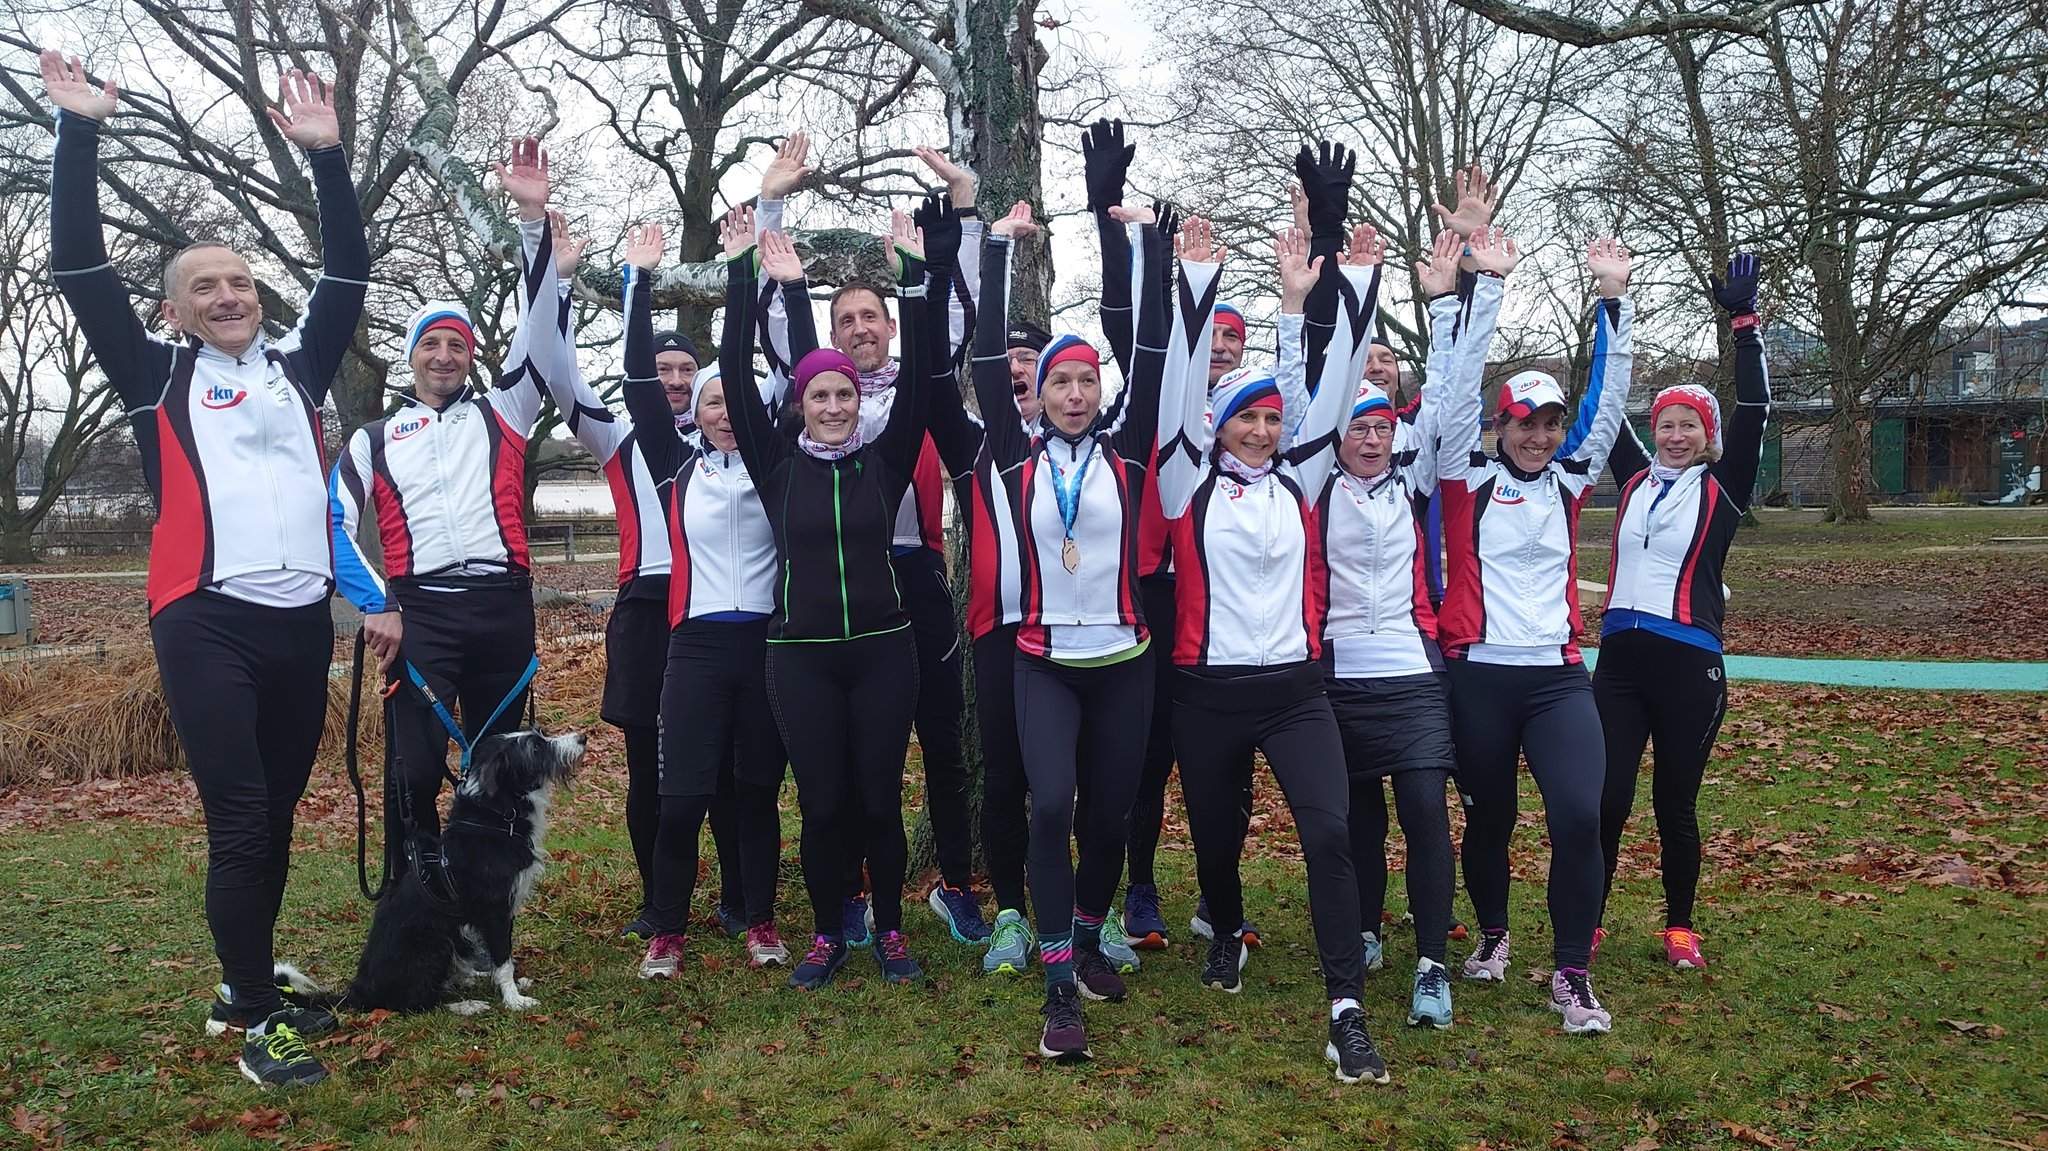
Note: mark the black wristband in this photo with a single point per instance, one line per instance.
(970, 212)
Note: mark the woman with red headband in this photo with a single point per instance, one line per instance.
(1660, 678)
(1083, 694)
(1249, 627)
(842, 668)
(1510, 621)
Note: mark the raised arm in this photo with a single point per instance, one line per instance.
(1463, 403)
(961, 278)
(136, 365)
(1105, 161)
(1743, 443)
(1436, 279)
(1136, 426)
(1184, 432)
(779, 181)
(1299, 276)
(534, 351)
(328, 324)
(1606, 403)
(1007, 442)
(902, 438)
(752, 425)
(1325, 175)
(1344, 364)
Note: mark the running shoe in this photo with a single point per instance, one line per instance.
(639, 930)
(826, 956)
(732, 921)
(1571, 995)
(960, 910)
(892, 955)
(1225, 962)
(1142, 925)
(1375, 955)
(857, 921)
(1593, 951)
(1430, 1003)
(1457, 930)
(1201, 926)
(1064, 1039)
(1351, 1049)
(1116, 948)
(308, 1019)
(279, 1057)
(664, 956)
(1097, 978)
(765, 946)
(1682, 949)
(1488, 962)
(1009, 946)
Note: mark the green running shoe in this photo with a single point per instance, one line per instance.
(1009, 946)
(279, 1057)
(1116, 947)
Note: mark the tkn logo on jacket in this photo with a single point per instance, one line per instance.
(406, 428)
(220, 397)
(1506, 494)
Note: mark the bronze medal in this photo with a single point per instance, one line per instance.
(1070, 555)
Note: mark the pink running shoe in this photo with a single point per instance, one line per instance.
(1488, 962)
(1682, 949)
(1593, 952)
(664, 957)
(764, 947)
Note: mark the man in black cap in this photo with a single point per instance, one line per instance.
(675, 363)
(1025, 340)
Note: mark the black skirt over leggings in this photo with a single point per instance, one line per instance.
(1654, 689)
(1399, 728)
(844, 707)
(1500, 713)
(246, 686)
(1219, 717)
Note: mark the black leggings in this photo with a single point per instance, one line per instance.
(1083, 729)
(1005, 831)
(1217, 722)
(1672, 695)
(635, 659)
(1400, 727)
(721, 750)
(643, 801)
(470, 646)
(246, 686)
(1546, 714)
(844, 708)
(921, 576)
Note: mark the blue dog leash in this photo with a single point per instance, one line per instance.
(447, 719)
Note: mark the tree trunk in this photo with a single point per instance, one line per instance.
(1849, 445)
(17, 539)
(1000, 71)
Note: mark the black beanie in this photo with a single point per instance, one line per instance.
(676, 342)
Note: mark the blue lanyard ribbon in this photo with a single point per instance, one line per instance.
(1069, 495)
(447, 719)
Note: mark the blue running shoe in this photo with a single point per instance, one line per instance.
(821, 963)
(1431, 1002)
(1142, 925)
(892, 955)
(1375, 956)
(960, 910)
(1201, 926)
(1117, 949)
(732, 921)
(1009, 946)
(857, 921)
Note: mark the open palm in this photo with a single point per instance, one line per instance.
(69, 89)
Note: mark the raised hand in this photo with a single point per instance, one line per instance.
(736, 231)
(568, 249)
(65, 83)
(1298, 200)
(787, 171)
(525, 177)
(941, 223)
(1105, 162)
(1169, 219)
(1436, 274)
(1124, 215)
(1197, 243)
(1297, 272)
(1493, 251)
(1475, 200)
(1325, 176)
(960, 183)
(1607, 260)
(1737, 293)
(1367, 248)
(1016, 223)
(645, 246)
(779, 259)
(308, 118)
(904, 237)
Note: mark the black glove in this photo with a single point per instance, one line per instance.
(1326, 181)
(1104, 160)
(1169, 227)
(941, 224)
(1737, 293)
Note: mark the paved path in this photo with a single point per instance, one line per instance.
(1915, 675)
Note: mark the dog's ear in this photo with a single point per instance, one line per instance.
(485, 765)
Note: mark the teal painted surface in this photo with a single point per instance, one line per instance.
(1913, 675)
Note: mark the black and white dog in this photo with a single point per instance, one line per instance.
(431, 934)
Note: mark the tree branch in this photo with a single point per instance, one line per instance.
(1749, 20)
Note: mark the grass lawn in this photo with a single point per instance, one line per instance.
(1874, 911)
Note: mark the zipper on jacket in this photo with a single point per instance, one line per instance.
(839, 538)
(270, 473)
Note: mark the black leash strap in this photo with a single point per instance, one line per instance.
(355, 778)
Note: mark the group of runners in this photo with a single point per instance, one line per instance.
(1225, 557)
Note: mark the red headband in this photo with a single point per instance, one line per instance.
(1231, 318)
(1077, 352)
(451, 324)
(1267, 401)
